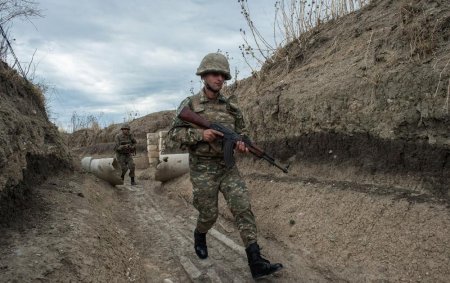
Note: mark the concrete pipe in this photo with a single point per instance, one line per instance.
(107, 169)
(171, 166)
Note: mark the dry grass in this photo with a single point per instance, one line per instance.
(440, 78)
(17, 82)
(292, 18)
(85, 122)
(448, 95)
(37, 92)
(419, 30)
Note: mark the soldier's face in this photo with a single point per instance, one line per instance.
(214, 80)
(125, 131)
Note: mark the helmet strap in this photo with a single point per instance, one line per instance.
(208, 87)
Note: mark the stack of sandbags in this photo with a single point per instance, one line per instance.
(152, 148)
(162, 141)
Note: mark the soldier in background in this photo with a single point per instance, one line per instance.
(125, 146)
(208, 172)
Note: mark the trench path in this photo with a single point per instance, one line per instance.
(160, 228)
(170, 234)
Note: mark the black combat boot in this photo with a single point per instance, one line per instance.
(132, 181)
(259, 266)
(200, 244)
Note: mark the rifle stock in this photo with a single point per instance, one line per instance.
(190, 116)
(230, 138)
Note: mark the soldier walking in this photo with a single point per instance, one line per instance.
(125, 146)
(208, 172)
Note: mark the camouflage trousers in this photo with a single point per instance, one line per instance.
(126, 162)
(208, 177)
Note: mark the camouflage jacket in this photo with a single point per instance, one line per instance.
(124, 144)
(221, 110)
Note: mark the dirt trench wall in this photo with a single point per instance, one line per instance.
(32, 148)
(100, 142)
(369, 90)
(103, 139)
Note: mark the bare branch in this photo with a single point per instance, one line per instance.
(292, 19)
(10, 9)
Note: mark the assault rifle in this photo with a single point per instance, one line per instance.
(229, 139)
(128, 148)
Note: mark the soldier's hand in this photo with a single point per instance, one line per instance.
(210, 135)
(241, 147)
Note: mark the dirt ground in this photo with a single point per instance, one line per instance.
(359, 108)
(375, 229)
(77, 228)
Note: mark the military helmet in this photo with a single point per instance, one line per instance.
(214, 62)
(125, 126)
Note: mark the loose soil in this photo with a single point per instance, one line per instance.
(77, 228)
(359, 109)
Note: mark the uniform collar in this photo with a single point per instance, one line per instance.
(204, 99)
